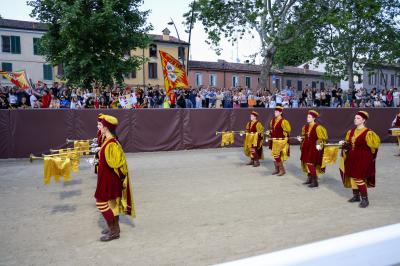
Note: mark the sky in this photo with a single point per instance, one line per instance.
(161, 14)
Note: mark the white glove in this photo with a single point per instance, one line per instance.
(95, 149)
(319, 147)
(299, 138)
(341, 142)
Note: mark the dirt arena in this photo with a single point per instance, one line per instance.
(196, 207)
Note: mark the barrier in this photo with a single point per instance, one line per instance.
(23, 132)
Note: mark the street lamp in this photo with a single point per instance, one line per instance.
(173, 23)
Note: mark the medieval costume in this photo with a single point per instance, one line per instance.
(253, 143)
(313, 134)
(358, 159)
(114, 191)
(278, 143)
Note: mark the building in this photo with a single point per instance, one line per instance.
(19, 50)
(151, 71)
(223, 74)
(384, 77)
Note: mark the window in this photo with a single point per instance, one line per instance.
(213, 80)
(288, 83)
(235, 81)
(153, 50)
(392, 80)
(314, 85)
(6, 44)
(299, 85)
(199, 79)
(11, 44)
(372, 79)
(248, 82)
(131, 75)
(47, 72)
(152, 70)
(6, 67)
(398, 80)
(181, 53)
(60, 70)
(322, 85)
(36, 46)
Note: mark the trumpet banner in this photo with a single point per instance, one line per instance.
(58, 167)
(330, 156)
(82, 145)
(227, 138)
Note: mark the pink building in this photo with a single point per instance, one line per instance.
(223, 74)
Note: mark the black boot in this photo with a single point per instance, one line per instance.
(308, 180)
(251, 162)
(314, 182)
(364, 202)
(107, 230)
(113, 233)
(356, 196)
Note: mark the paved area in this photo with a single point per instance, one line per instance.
(197, 207)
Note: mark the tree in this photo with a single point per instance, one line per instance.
(276, 22)
(92, 39)
(355, 33)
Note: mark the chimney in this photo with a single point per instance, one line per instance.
(165, 35)
(306, 66)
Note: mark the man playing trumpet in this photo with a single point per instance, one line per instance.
(279, 129)
(253, 148)
(114, 191)
(313, 134)
(360, 149)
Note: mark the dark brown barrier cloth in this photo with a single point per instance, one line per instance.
(36, 131)
(5, 136)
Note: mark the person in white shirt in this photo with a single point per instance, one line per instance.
(396, 97)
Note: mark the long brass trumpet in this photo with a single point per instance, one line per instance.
(69, 150)
(94, 140)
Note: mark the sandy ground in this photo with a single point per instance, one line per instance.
(195, 207)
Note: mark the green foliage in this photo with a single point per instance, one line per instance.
(91, 38)
(353, 33)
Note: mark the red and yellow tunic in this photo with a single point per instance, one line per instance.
(113, 183)
(359, 159)
(280, 128)
(254, 127)
(313, 134)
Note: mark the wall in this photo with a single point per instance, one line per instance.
(143, 130)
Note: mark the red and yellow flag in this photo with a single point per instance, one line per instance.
(174, 73)
(18, 78)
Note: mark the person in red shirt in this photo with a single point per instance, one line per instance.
(46, 99)
(172, 99)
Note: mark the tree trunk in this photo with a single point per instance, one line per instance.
(350, 73)
(266, 67)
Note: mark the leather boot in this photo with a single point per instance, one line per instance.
(276, 169)
(308, 180)
(364, 202)
(251, 162)
(281, 169)
(113, 233)
(314, 182)
(256, 163)
(356, 196)
(107, 230)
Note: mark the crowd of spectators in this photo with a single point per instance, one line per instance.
(61, 96)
